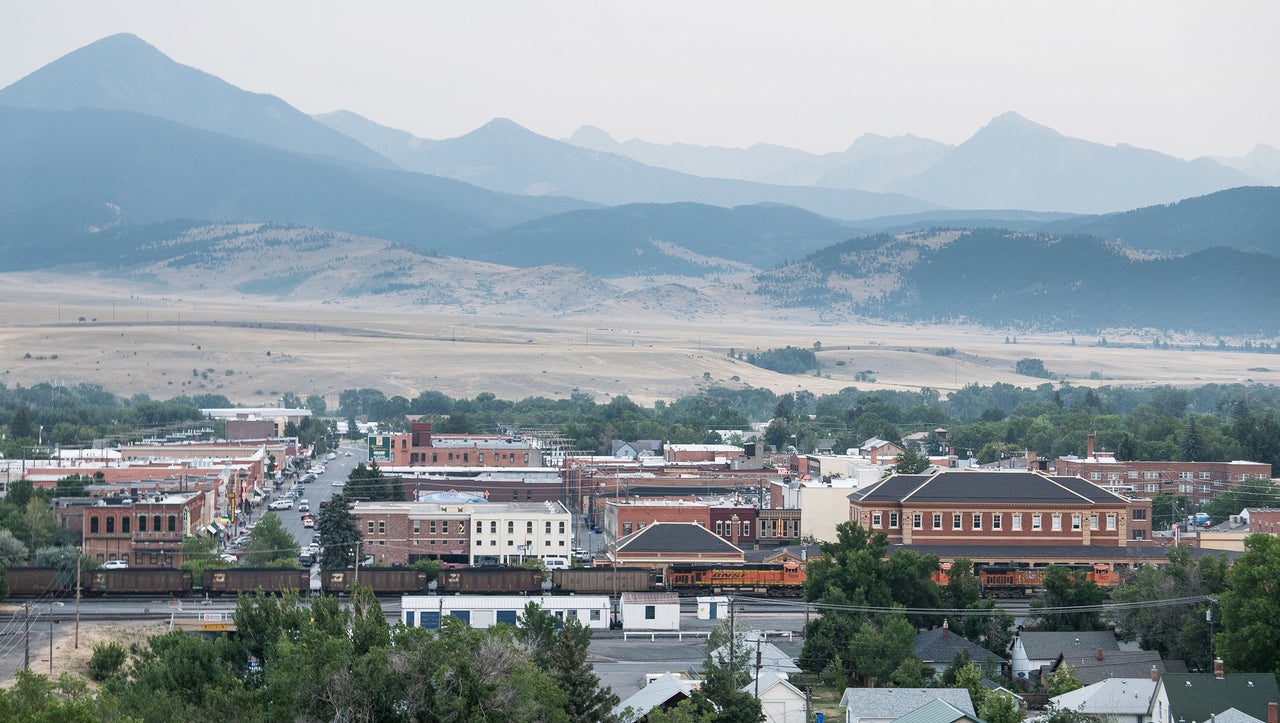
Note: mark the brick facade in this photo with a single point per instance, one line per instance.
(145, 533)
(1199, 481)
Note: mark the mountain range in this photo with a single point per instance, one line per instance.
(116, 157)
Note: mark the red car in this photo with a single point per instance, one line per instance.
(308, 521)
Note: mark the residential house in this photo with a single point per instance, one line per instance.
(1098, 665)
(1201, 696)
(885, 705)
(938, 647)
(664, 693)
(1122, 700)
(938, 711)
(1035, 650)
(780, 701)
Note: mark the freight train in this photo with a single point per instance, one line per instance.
(760, 579)
(1025, 581)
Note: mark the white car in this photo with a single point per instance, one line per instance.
(115, 565)
(282, 504)
(338, 483)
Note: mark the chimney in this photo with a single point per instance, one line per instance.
(1155, 675)
(1217, 668)
(946, 630)
(1273, 713)
(1089, 454)
(1098, 654)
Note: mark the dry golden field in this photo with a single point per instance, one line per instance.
(660, 343)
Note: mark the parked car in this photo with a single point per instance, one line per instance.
(308, 521)
(338, 483)
(284, 503)
(304, 506)
(115, 565)
(348, 454)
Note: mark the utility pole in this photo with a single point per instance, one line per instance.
(79, 559)
(733, 638)
(758, 641)
(26, 636)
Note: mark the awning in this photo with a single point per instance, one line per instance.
(215, 529)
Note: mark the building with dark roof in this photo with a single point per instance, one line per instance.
(1201, 696)
(664, 543)
(937, 648)
(999, 508)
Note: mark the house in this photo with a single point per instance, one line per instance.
(771, 658)
(1123, 700)
(1035, 650)
(780, 701)
(1089, 668)
(664, 693)
(1200, 696)
(938, 711)
(938, 647)
(650, 611)
(885, 705)
(881, 451)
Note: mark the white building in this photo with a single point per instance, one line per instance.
(650, 611)
(483, 611)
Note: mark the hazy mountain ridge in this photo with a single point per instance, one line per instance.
(123, 72)
(1001, 278)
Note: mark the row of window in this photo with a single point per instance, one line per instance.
(787, 528)
(724, 528)
(1157, 474)
(443, 527)
(997, 521)
(127, 522)
(464, 457)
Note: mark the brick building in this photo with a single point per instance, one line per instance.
(145, 532)
(1199, 481)
(464, 529)
(1264, 519)
(999, 508)
(420, 447)
(696, 453)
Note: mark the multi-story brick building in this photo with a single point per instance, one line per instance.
(999, 508)
(145, 532)
(464, 529)
(734, 523)
(1199, 481)
(1263, 519)
(702, 453)
(420, 447)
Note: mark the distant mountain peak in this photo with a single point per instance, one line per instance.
(591, 136)
(1011, 121)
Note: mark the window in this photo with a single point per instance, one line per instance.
(1139, 514)
(1153, 487)
(937, 520)
(875, 519)
(1132, 474)
(1095, 476)
(720, 528)
(493, 527)
(1204, 475)
(746, 528)
(1111, 520)
(1016, 519)
(593, 615)
(1113, 476)
(1075, 521)
(548, 530)
(528, 527)
(511, 527)
(650, 612)
(124, 524)
(1185, 488)
(977, 521)
(626, 528)
(562, 528)
(417, 526)
(1139, 534)
(1204, 490)
(93, 524)
(526, 458)
(435, 457)
(382, 527)
(173, 523)
(996, 520)
(433, 527)
(1093, 521)
(917, 521)
(481, 455)
(369, 525)
(479, 526)
(1056, 522)
(111, 525)
(142, 523)
(893, 520)
(1184, 475)
(955, 521)
(1036, 523)
(156, 526)
(1150, 475)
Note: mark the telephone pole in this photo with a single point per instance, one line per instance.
(26, 636)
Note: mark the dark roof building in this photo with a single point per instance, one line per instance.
(938, 647)
(663, 543)
(1200, 696)
(999, 508)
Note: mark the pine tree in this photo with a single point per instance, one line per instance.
(585, 700)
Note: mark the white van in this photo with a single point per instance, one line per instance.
(556, 563)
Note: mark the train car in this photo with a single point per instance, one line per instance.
(605, 580)
(235, 580)
(383, 581)
(762, 579)
(1022, 581)
(40, 581)
(139, 581)
(491, 580)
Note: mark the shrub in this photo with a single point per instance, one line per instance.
(107, 659)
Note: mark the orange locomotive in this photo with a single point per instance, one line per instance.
(763, 579)
(1021, 581)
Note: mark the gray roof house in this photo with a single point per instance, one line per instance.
(938, 647)
(1123, 700)
(1034, 650)
(938, 711)
(1200, 696)
(1098, 665)
(884, 705)
(664, 693)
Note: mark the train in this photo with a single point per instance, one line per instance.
(1027, 581)
(786, 579)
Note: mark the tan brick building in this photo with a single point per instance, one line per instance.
(420, 447)
(146, 532)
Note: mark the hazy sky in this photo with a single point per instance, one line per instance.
(1184, 78)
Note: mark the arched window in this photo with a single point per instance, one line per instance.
(173, 523)
(125, 524)
(155, 527)
(142, 523)
(93, 524)
(111, 525)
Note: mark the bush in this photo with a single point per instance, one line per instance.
(107, 659)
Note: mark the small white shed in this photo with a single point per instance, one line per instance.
(713, 608)
(650, 611)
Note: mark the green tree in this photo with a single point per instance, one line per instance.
(40, 522)
(1067, 588)
(1062, 680)
(911, 462)
(316, 404)
(1032, 368)
(882, 653)
(1192, 446)
(1177, 631)
(1250, 636)
(107, 659)
(724, 675)
(34, 698)
(12, 550)
(270, 544)
(585, 700)
(339, 534)
(999, 706)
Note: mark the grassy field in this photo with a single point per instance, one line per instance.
(254, 350)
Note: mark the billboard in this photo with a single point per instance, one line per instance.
(379, 448)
